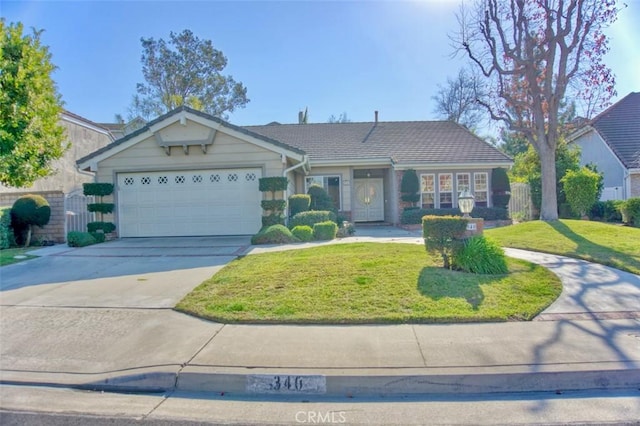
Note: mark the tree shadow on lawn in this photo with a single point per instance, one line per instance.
(586, 249)
(438, 283)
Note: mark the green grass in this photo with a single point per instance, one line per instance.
(7, 256)
(366, 283)
(608, 244)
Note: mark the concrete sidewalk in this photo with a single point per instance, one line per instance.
(589, 339)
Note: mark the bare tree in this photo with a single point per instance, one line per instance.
(534, 53)
(457, 100)
(342, 118)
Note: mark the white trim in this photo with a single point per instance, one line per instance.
(197, 119)
(70, 119)
(363, 162)
(440, 191)
(428, 192)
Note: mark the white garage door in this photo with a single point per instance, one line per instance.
(189, 203)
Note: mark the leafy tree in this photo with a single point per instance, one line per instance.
(342, 118)
(185, 71)
(534, 54)
(457, 100)
(30, 106)
(513, 143)
(581, 189)
(526, 168)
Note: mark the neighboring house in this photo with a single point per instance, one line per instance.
(84, 137)
(611, 141)
(189, 173)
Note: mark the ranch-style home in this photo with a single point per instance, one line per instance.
(188, 173)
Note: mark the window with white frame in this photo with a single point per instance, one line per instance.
(445, 190)
(428, 191)
(331, 184)
(481, 189)
(463, 182)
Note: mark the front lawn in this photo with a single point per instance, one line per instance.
(7, 256)
(366, 283)
(608, 244)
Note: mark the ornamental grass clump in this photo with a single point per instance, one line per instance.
(480, 255)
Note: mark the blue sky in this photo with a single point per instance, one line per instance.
(332, 57)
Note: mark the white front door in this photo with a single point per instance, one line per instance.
(369, 202)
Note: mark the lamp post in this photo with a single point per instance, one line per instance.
(466, 203)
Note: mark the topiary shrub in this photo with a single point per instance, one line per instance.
(480, 255)
(98, 189)
(630, 210)
(27, 211)
(325, 230)
(81, 239)
(414, 217)
(311, 217)
(101, 207)
(6, 231)
(500, 188)
(320, 199)
(299, 203)
(272, 184)
(442, 235)
(272, 219)
(275, 205)
(275, 234)
(410, 187)
(105, 227)
(303, 233)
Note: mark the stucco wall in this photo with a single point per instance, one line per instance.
(84, 140)
(594, 150)
(54, 230)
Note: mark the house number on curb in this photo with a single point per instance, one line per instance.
(266, 383)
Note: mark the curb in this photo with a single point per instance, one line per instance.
(273, 383)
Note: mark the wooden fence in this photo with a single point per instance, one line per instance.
(520, 205)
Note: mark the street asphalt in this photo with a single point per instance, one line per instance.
(100, 317)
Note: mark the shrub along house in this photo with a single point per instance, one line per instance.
(189, 173)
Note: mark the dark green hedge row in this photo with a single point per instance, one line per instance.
(83, 239)
(312, 217)
(101, 207)
(414, 216)
(272, 184)
(6, 232)
(106, 227)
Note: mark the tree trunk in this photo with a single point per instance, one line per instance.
(28, 240)
(549, 205)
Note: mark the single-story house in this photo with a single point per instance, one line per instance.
(190, 173)
(64, 186)
(611, 141)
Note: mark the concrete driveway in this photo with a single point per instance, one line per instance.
(127, 273)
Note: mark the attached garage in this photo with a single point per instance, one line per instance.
(189, 203)
(188, 173)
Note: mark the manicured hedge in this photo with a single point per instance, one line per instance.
(414, 216)
(303, 233)
(81, 239)
(442, 235)
(273, 219)
(272, 184)
(312, 217)
(630, 210)
(273, 204)
(608, 211)
(325, 230)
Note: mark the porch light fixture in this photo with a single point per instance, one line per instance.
(466, 203)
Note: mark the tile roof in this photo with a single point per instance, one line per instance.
(619, 126)
(408, 142)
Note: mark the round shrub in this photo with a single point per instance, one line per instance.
(325, 230)
(275, 234)
(480, 255)
(30, 210)
(501, 188)
(630, 210)
(303, 233)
